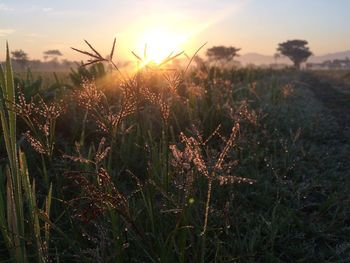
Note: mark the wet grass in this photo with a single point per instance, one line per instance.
(211, 165)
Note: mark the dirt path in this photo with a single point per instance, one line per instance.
(337, 102)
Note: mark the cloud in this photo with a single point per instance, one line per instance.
(6, 31)
(47, 9)
(35, 35)
(4, 7)
(33, 9)
(70, 13)
(53, 12)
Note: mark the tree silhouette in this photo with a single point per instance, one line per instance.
(53, 53)
(20, 57)
(296, 50)
(222, 54)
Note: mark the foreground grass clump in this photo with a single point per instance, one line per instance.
(197, 165)
(19, 210)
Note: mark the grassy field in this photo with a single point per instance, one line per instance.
(340, 79)
(205, 165)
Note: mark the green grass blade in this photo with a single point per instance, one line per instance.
(3, 115)
(10, 96)
(47, 211)
(2, 80)
(3, 222)
(17, 250)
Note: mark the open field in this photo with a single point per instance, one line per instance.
(205, 165)
(340, 79)
(174, 131)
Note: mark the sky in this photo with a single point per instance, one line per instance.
(252, 25)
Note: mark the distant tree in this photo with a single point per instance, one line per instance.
(296, 50)
(35, 64)
(67, 63)
(52, 53)
(20, 57)
(276, 56)
(53, 63)
(222, 54)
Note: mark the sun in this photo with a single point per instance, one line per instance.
(157, 44)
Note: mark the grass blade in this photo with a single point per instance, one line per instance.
(112, 51)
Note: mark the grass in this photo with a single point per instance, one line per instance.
(19, 216)
(340, 78)
(198, 165)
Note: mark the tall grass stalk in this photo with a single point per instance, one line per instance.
(18, 222)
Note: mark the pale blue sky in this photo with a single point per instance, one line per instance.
(253, 25)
